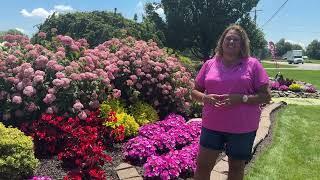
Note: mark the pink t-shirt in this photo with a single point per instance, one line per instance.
(243, 78)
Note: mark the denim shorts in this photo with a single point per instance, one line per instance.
(236, 146)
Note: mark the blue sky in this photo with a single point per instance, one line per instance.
(297, 21)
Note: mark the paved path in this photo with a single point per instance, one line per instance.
(305, 66)
(127, 172)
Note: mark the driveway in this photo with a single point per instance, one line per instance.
(305, 66)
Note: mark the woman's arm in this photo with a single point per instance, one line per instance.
(198, 94)
(263, 95)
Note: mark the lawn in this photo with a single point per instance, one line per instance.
(314, 61)
(272, 65)
(309, 76)
(294, 152)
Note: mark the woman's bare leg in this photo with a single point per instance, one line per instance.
(205, 162)
(236, 169)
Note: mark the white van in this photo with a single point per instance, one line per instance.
(294, 56)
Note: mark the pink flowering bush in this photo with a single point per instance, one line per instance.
(143, 71)
(285, 84)
(64, 75)
(310, 89)
(167, 148)
(283, 88)
(177, 163)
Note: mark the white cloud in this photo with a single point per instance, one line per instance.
(21, 30)
(40, 12)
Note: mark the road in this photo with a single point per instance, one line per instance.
(305, 66)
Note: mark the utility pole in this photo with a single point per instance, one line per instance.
(255, 14)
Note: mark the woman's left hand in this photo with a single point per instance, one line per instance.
(229, 100)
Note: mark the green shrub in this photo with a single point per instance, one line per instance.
(143, 113)
(196, 110)
(17, 158)
(130, 125)
(112, 104)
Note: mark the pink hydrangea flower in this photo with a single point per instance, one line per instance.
(116, 93)
(42, 35)
(38, 79)
(29, 91)
(17, 99)
(60, 75)
(49, 98)
(58, 82)
(78, 106)
(31, 107)
(130, 82)
(82, 115)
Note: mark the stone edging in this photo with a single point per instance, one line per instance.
(128, 172)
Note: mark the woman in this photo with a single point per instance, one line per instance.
(232, 85)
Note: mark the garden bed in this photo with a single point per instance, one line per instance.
(291, 94)
(53, 167)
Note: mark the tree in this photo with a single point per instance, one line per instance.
(256, 36)
(11, 31)
(282, 47)
(297, 47)
(153, 17)
(313, 49)
(135, 17)
(96, 26)
(197, 24)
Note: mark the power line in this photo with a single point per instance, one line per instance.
(275, 13)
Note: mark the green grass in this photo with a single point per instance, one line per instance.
(314, 61)
(297, 101)
(308, 76)
(273, 65)
(294, 152)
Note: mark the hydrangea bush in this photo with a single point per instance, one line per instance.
(167, 148)
(64, 75)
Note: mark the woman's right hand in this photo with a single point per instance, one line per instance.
(212, 99)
